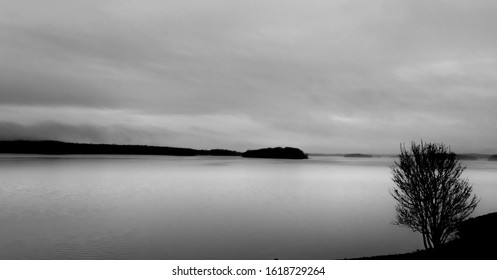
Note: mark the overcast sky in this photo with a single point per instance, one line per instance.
(321, 75)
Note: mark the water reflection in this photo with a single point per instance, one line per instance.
(148, 207)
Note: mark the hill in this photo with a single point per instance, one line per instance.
(61, 148)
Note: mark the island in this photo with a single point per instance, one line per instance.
(278, 153)
(357, 156)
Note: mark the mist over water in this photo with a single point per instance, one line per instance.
(163, 207)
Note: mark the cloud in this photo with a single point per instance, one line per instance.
(329, 75)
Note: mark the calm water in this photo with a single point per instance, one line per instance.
(151, 207)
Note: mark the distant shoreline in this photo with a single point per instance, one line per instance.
(49, 147)
(64, 148)
(357, 156)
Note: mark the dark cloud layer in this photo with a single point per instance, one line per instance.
(327, 76)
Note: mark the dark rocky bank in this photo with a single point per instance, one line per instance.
(475, 240)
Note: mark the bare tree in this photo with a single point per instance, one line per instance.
(431, 198)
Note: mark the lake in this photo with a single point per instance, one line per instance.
(165, 207)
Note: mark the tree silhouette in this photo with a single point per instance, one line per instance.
(431, 198)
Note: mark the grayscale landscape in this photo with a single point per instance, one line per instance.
(231, 129)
